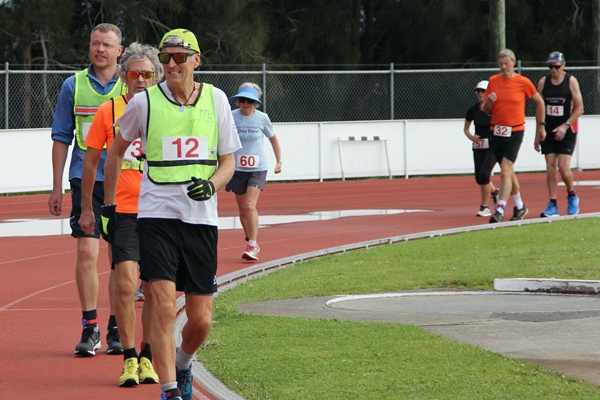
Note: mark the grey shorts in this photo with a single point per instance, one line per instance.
(241, 180)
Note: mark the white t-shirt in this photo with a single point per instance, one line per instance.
(171, 201)
(252, 129)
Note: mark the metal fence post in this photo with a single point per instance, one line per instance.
(264, 85)
(391, 90)
(6, 96)
(519, 67)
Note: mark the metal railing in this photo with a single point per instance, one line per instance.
(308, 96)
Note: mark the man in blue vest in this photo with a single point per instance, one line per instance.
(78, 101)
(189, 138)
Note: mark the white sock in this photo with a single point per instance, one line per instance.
(251, 242)
(183, 359)
(517, 200)
(501, 206)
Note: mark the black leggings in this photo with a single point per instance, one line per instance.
(484, 164)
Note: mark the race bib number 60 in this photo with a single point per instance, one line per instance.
(504, 131)
(184, 148)
(247, 161)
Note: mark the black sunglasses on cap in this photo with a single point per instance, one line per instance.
(179, 58)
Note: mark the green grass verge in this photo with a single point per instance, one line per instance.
(300, 358)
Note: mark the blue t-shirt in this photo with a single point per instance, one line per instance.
(63, 124)
(251, 130)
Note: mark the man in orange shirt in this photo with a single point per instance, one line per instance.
(506, 95)
(140, 69)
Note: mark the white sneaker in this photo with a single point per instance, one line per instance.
(484, 211)
(251, 253)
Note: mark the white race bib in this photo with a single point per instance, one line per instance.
(555, 111)
(85, 129)
(481, 144)
(251, 161)
(504, 131)
(134, 150)
(184, 148)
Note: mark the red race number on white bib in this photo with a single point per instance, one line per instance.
(184, 148)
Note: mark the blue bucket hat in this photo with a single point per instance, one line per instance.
(248, 93)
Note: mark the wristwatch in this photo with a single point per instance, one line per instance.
(542, 123)
(568, 123)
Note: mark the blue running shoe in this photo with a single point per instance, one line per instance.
(573, 207)
(184, 382)
(551, 211)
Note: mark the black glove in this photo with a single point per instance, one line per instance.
(109, 220)
(200, 190)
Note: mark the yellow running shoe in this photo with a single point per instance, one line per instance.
(129, 376)
(146, 370)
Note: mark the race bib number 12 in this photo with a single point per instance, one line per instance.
(184, 148)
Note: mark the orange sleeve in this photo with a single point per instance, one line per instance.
(101, 130)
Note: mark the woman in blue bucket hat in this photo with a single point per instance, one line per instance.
(250, 161)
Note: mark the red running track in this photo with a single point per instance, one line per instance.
(39, 308)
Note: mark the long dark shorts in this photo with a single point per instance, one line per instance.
(507, 147)
(97, 199)
(182, 253)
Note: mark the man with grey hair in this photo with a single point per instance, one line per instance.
(506, 94)
(78, 101)
(140, 69)
(564, 105)
(189, 138)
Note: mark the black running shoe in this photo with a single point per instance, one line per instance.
(497, 217)
(113, 342)
(90, 342)
(519, 213)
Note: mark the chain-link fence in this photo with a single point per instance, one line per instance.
(29, 97)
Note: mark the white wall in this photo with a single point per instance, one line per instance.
(310, 151)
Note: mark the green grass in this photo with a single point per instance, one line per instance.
(300, 358)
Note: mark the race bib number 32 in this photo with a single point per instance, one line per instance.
(504, 131)
(184, 148)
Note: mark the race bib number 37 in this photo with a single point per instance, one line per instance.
(504, 131)
(184, 148)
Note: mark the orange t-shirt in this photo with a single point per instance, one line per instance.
(101, 132)
(509, 108)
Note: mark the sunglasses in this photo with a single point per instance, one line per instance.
(480, 90)
(179, 58)
(245, 100)
(554, 66)
(144, 74)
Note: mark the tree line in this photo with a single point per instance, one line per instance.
(54, 34)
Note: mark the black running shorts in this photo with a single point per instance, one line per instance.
(127, 243)
(507, 147)
(182, 253)
(97, 199)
